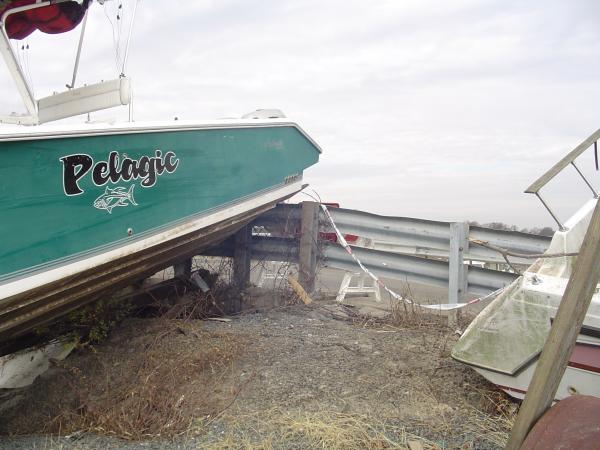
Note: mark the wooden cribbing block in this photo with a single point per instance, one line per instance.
(299, 290)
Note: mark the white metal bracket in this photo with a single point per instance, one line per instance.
(15, 69)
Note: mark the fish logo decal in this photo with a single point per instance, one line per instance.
(115, 197)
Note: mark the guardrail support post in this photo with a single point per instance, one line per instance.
(307, 251)
(457, 271)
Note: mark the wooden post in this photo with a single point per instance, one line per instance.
(241, 258)
(183, 269)
(563, 334)
(299, 290)
(457, 271)
(307, 252)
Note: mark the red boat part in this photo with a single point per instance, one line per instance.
(586, 357)
(52, 19)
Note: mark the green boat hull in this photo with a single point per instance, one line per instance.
(86, 212)
(51, 197)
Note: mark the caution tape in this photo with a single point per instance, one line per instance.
(376, 279)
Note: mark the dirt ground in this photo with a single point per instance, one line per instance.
(296, 376)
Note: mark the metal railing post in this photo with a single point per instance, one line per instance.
(457, 271)
(78, 55)
(560, 225)
(585, 179)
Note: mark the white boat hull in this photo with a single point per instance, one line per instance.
(505, 340)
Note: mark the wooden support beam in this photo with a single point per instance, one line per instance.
(183, 269)
(242, 256)
(563, 334)
(308, 248)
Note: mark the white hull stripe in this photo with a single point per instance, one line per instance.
(20, 133)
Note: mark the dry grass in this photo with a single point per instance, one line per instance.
(495, 418)
(160, 392)
(311, 430)
(405, 314)
(157, 379)
(489, 425)
(148, 388)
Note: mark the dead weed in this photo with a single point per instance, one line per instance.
(168, 373)
(324, 429)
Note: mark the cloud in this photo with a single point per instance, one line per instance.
(427, 109)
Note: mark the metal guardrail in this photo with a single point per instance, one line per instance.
(430, 238)
(413, 269)
(414, 250)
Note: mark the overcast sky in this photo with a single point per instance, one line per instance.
(431, 109)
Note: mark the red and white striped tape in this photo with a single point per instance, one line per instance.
(441, 306)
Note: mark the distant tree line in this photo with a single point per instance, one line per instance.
(543, 231)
